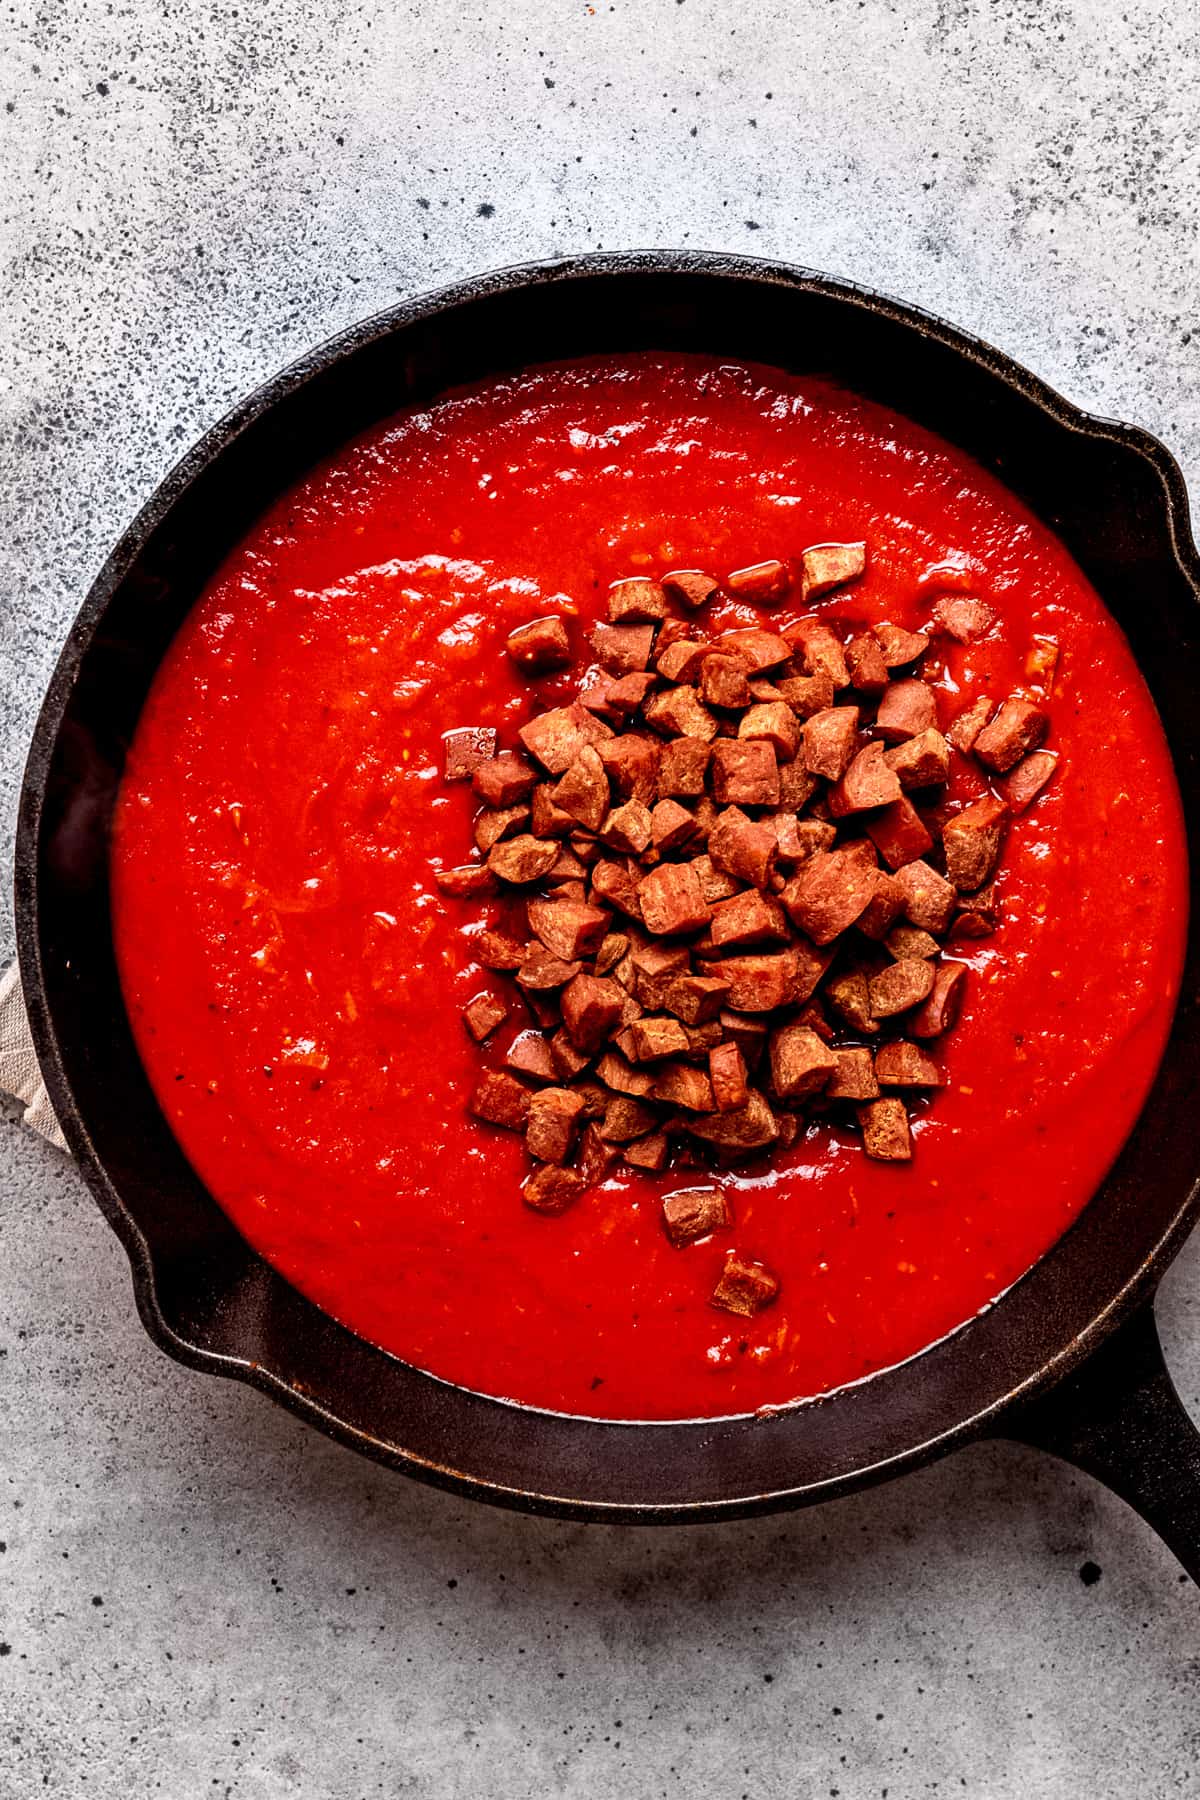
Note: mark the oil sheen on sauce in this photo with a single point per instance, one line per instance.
(295, 980)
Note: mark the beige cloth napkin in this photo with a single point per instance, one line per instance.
(19, 1071)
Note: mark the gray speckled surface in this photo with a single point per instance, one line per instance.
(197, 1596)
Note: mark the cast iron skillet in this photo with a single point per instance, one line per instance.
(1068, 1359)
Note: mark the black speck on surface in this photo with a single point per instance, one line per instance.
(547, 81)
(1090, 1573)
(5, 1649)
(753, 225)
(102, 89)
(97, 1599)
(485, 210)
(453, 1582)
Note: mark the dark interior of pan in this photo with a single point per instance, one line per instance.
(1112, 494)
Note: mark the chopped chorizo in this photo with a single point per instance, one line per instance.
(1025, 781)
(671, 826)
(654, 1037)
(884, 907)
(595, 1157)
(745, 1287)
(615, 885)
(468, 881)
(555, 1115)
(854, 1078)
(923, 761)
(901, 1064)
(830, 738)
(567, 927)
(909, 940)
(927, 898)
(758, 649)
(523, 859)
(727, 1077)
(496, 950)
(744, 774)
(963, 617)
(548, 819)
(482, 1015)
(898, 833)
(1017, 728)
(907, 709)
(680, 1084)
(763, 583)
(627, 694)
(681, 660)
(651, 1152)
(556, 737)
(696, 999)
(627, 827)
(503, 780)
(501, 1100)
(540, 646)
(806, 694)
(796, 786)
(940, 1012)
(677, 712)
(820, 651)
(723, 681)
(774, 722)
(692, 1213)
(692, 588)
(636, 601)
(654, 967)
(623, 649)
(532, 1055)
(824, 567)
(829, 891)
(978, 914)
(900, 647)
(551, 1188)
(617, 1072)
(747, 1128)
(625, 1119)
(465, 749)
(541, 971)
(757, 983)
(801, 1062)
(591, 1007)
(743, 847)
(867, 783)
(899, 988)
(631, 764)
(750, 917)
(850, 997)
(885, 1131)
(582, 792)
(671, 900)
(682, 767)
(969, 723)
(864, 659)
(972, 840)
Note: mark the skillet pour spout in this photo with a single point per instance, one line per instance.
(1067, 1359)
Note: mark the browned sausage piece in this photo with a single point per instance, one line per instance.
(549, 820)
(532, 1055)
(745, 848)
(745, 1287)
(679, 1084)
(801, 1063)
(776, 723)
(909, 940)
(501, 1100)
(671, 900)
(940, 1012)
(496, 823)
(907, 709)
(827, 566)
(654, 967)
(567, 927)
(652, 1152)
(555, 1115)
(902, 986)
(830, 738)
(900, 1064)
(854, 1077)
(928, 898)
(756, 983)
(615, 885)
(625, 1119)
(503, 780)
(807, 694)
(595, 1158)
(671, 826)
(636, 601)
(744, 774)
(677, 712)
(898, 833)
(796, 786)
(762, 584)
(884, 908)
(627, 694)
(541, 971)
(963, 617)
(867, 783)
(582, 793)
(551, 1189)
(496, 950)
(522, 859)
(864, 659)
(1016, 729)
(592, 1006)
(829, 891)
(696, 999)
(618, 1073)
(798, 839)
(540, 646)
(723, 681)
(972, 841)
(727, 1077)
(969, 723)
(749, 1127)
(482, 1015)
(691, 1213)
(631, 764)
(556, 737)
(681, 660)
(900, 647)
(682, 767)
(820, 652)
(465, 749)
(691, 587)
(653, 1037)
(850, 997)
(978, 914)
(1027, 778)
(622, 649)
(923, 761)
(469, 880)
(627, 828)
(748, 918)
(758, 649)
(885, 1133)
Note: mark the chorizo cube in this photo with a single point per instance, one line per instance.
(830, 739)
(596, 1157)
(678, 712)
(672, 826)
(715, 884)
(582, 792)
(1025, 781)
(532, 1055)
(617, 1072)
(969, 723)
(681, 660)
(747, 1032)
(495, 823)
(850, 997)
(927, 897)
(496, 950)
(548, 819)
(901, 987)
(901, 1064)
(465, 748)
(806, 694)
(900, 647)
(654, 967)
(864, 659)
(907, 709)
(592, 1006)
(910, 940)
(745, 1287)
(500, 1099)
(692, 1213)
(821, 652)
(977, 915)
(750, 917)
(829, 891)
(757, 983)
(555, 738)
(555, 1115)
(540, 646)
(672, 901)
(625, 1119)
(759, 650)
(622, 649)
(628, 827)
(503, 781)
(692, 588)
(972, 841)
(551, 1189)
(627, 694)
(568, 928)
(541, 971)
(898, 833)
(940, 1012)
(963, 617)
(696, 999)
(682, 767)
(727, 1077)
(655, 1037)
(774, 722)
(1017, 728)
(854, 1078)
(482, 1015)
(744, 774)
(738, 1133)
(679, 1084)
(884, 907)
(801, 1062)
(636, 601)
(742, 847)
(631, 765)
(824, 567)
(652, 1152)
(867, 783)
(523, 859)
(613, 884)
(723, 681)
(467, 882)
(885, 1133)
(798, 839)
(921, 761)
(762, 584)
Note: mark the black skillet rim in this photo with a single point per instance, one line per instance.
(1019, 1375)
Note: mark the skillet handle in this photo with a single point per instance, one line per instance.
(1119, 1418)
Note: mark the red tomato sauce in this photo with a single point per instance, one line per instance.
(295, 979)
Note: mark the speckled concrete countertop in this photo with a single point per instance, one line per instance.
(198, 1596)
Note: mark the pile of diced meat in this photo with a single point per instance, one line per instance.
(731, 877)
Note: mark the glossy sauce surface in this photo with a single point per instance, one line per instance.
(295, 979)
